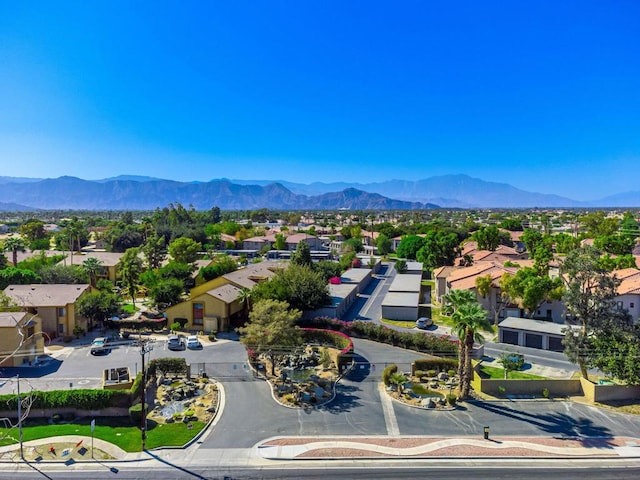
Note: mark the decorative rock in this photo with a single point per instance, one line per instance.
(443, 376)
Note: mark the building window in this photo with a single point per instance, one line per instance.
(631, 305)
(61, 328)
(62, 312)
(620, 305)
(549, 314)
(198, 313)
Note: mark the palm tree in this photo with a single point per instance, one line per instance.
(14, 245)
(453, 300)
(92, 267)
(468, 319)
(245, 299)
(398, 379)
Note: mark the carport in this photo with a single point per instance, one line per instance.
(527, 332)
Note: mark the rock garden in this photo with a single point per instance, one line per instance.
(433, 383)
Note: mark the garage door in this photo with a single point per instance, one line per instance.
(510, 337)
(555, 344)
(533, 340)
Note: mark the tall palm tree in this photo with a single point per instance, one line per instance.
(453, 300)
(245, 299)
(92, 267)
(468, 319)
(14, 245)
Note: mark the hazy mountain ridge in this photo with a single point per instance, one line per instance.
(128, 192)
(71, 193)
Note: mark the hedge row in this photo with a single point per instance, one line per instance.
(422, 342)
(83, 399)
(330, 337)
(437, 364)
(163, 366)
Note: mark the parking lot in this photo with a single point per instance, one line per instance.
(73, 366)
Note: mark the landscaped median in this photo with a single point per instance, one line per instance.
(432, 383)
(307, 375)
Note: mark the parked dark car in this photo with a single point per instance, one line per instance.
(99, 346)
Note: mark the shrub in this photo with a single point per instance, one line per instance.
(451, 399)
(451, 373)
(176, 366)
(175, 326)
(420, 373)
(545, 392)
(431, 373)
(135, 412)
(437, 364)
(387, 372)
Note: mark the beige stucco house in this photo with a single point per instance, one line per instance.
(55, 304)
(21, 339)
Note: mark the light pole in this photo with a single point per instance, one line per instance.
(144, 348)
(20, 419)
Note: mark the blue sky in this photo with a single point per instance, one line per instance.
(543, 95)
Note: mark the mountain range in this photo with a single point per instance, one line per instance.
(147, 193)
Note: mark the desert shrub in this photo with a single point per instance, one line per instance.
(175, 326)
(431, 373)
(437, 364)
(451, 399)
(420, 373)
(176, 366)
(135, 412)
(387, 372)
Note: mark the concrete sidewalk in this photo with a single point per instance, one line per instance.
(340, 448)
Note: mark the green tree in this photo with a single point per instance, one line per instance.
(221, 265)
(298, 285)
(400, 266)
(129, 270)
(438, 248)
(399, 380)
(280, 243)
(383, 244)
(167, 292)
(529, 288)
(93, 268)
(590, 299)
(17, 276)
(69, 274)
(302, 255)
(468, 320)
(155, 251)
(487, 237)
(328, 269)
(511, 362)
(33, 232)
(599, 224)
(14, 245)
(409, 246)
(271, 330)
(244, 297)
(97, 306)
(615, 244)
(184, 250)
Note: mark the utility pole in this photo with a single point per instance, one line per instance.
(144, 348)
(20, 419)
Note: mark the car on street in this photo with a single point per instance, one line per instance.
(193, 343)
(424, 322)
(176, 342)
(99, 346)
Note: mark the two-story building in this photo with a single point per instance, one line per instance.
(21, 340)
(54, 304)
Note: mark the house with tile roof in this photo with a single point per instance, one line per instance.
(629, 291)
(54, 304)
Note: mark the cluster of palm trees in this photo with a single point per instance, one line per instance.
(469, 317)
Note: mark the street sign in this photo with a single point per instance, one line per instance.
(93, 425)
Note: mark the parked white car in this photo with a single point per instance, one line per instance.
(193, 343)
(424, 322)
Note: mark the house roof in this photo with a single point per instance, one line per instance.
(227, 293)
(299, 237)
(465, 278)
(630, 281)
(11, 319)
(252, 274)
(537, 326)
(443, 272)
(45, 295)
(108, 259)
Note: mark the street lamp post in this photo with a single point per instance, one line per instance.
(144, 348)
(20, 419)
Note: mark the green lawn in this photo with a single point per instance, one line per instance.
(498, 374)
(116, 430)
(398, 323)
(129, 308)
